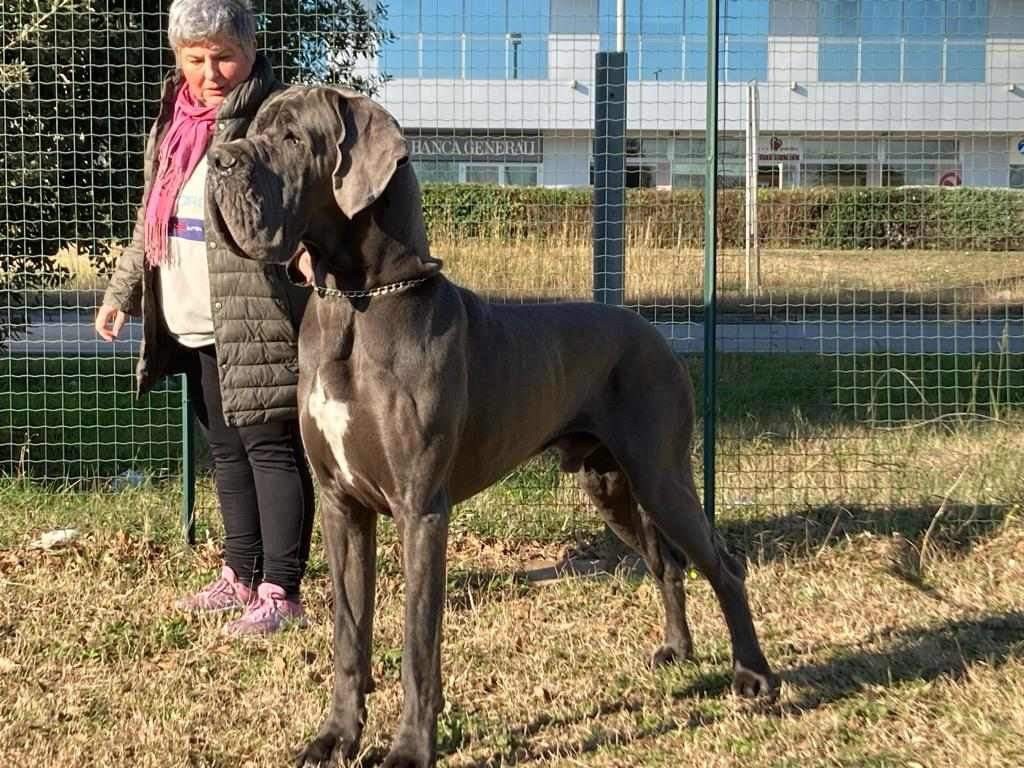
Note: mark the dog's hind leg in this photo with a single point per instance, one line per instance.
(608, 487)
(671, 501)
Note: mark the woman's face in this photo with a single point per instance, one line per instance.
(213, 68)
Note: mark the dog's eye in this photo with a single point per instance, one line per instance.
(291, 138)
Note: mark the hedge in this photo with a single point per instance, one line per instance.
(836, 218)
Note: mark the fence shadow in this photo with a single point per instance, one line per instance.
(804, 534)
(793, 537)
(947, 650)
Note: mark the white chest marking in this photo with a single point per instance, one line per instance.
(331, 418)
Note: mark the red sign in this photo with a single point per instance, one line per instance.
(950, 179)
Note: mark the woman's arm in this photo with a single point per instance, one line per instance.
(125, 289)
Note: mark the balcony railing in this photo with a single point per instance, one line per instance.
(900, 60)
(683, 58)
(512, 56)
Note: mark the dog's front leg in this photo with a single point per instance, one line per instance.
(350, 535)
(424, 534)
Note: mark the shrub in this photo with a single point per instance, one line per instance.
(835, 218)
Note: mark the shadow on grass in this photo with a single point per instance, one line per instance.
(947, 651)
(803, 535)
(798, 536)
(521, 750)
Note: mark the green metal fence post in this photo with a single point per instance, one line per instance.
(188, 469)
(710, 259)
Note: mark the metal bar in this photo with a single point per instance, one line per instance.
(710, 259)
(609, 178)
(188, 468)
(620, 25)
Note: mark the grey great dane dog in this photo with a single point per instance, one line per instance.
(415, 394)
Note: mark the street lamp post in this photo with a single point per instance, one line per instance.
(516, 38)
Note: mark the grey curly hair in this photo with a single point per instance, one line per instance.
(196, 21)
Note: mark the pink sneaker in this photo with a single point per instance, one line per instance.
(271, 612)
(225, 594)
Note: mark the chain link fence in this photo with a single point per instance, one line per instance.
(870, 290)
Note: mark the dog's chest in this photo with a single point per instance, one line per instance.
(332, 418)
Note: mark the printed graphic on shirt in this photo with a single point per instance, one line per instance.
(186, 229)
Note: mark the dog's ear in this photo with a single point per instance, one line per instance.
(370, 148)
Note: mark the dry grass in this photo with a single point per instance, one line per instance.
(892, 607)
(659, 276)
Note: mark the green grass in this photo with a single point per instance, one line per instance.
(900, 643)
(76, 422)
(73, 420)
(885, 542)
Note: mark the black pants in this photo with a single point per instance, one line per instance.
(263, 484)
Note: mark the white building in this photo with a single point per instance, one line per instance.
(852, 92)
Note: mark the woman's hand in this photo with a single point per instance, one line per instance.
(109, 321)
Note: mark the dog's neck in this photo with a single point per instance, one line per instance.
(382, 245)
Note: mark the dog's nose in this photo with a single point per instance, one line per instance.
(222, 161)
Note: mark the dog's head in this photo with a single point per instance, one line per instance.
(314, 161)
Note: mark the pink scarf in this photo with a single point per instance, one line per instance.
(183, 146)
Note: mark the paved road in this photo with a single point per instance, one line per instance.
(69, 333)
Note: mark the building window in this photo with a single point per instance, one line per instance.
(837, 62)
(839, 18)
(924, 18)
(442, 57)
(661, 58)
(910, 41)
(917, 161)
(922, 62)
(522, 175)
(837, 162)
(745, 59)
(1017, 177)
(880, 63)
(745, 47)
(436, 171)
(511, 175)
(667, 39)
(695, 58)
(483, 174)
(468, 39)
(834, 174)
(968, 18)
(880, 18)
(965, 63)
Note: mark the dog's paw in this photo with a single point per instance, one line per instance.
(668, 654)
(411, 749)
(755, 685)
(318, 753)
(400, 758)
(321, 752)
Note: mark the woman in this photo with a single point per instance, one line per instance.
(227, 322)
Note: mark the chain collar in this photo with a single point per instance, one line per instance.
(383, 290)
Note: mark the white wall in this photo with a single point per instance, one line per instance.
(571, 57)
(1004, 61)
(556, 104)
(792, 58)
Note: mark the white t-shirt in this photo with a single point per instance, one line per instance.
(185, 277)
